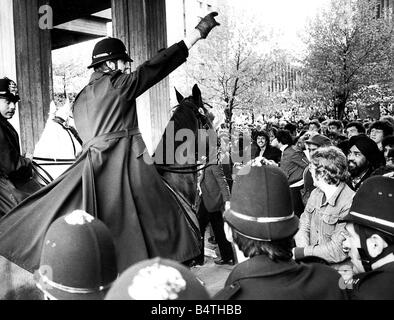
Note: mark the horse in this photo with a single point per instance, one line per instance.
(180, 177)
(59, 145)
(179, 157)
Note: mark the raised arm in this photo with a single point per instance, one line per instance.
(166, 61)
(202, 30)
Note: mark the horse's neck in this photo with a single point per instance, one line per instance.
(184, 184)
(55, 142)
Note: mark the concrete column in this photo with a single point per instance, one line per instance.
(25, 56)
(34, 70)
(7, 48)
(141, 24)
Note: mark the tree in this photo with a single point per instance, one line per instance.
(349, 47)
(230, 67)
(70, 76)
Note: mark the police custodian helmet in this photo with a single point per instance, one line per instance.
(261, 204)
(8, 89)
(78, 259)
(109, 49)
(373, 205)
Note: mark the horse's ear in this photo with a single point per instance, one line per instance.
(179, 97)
(197, 96)
(196, 93)
(52, 109)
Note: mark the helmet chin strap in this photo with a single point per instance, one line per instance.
(116, 65)
(366, 259)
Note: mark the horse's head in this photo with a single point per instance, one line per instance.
(64, 113)
(193, 107)
(196, 104)
(184, 143)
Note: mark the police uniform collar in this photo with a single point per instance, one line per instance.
(358, 279)
(261, 266)
(388, 267)
(98, 75)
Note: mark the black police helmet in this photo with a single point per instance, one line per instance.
(109, 49)
(8, 89)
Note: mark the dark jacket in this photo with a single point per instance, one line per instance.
(111, 179)
(270, 152)
(15, 171)
(260, 278)
(9, 148)
(214, 188)
(293, 163)
(374, 285)
(356, 184)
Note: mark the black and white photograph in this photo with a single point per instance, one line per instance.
(214, 152)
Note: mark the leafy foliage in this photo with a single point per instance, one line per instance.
(231, 67)
(349, 48)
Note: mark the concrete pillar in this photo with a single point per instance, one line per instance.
(141, 24)
(34, 70)
(7, 48)
(25, 56)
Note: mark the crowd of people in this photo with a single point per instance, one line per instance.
(309, 216)
(327, 164)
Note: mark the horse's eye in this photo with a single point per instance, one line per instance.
(201, 110)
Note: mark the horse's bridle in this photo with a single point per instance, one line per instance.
(205, 124)
(71, 133)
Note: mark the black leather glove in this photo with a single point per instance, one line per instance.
(207, 24)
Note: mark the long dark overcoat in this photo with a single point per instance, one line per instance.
(16, 181)
(111, 179)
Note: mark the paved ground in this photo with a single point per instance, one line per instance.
(213, 275)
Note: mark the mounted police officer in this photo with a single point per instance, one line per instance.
(370, 240)
(113, 178)
(78, 259)
(261, 224)
(15, 170)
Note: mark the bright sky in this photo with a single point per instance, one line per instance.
(282, 12)
(287, 17)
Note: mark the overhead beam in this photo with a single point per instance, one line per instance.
(65, 38)
(91, 26)
(105, 14)
(65, 11)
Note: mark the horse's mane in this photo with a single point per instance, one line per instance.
(186, 116)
